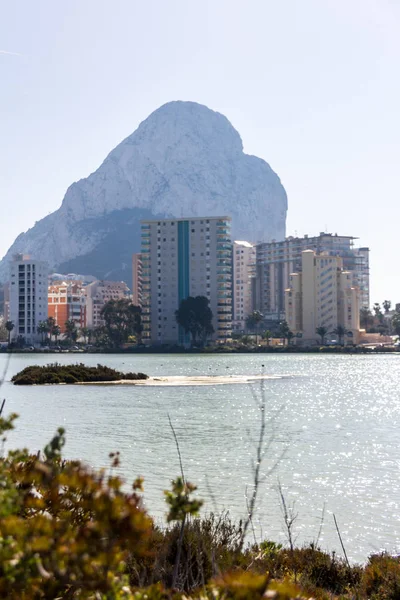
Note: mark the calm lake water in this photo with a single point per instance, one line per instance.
(334, 434)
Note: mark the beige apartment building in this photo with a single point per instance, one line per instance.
(97, 294)
(322, 294)
(244, 263)
(181, 258)
(275, 261)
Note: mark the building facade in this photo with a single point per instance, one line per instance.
(137, 279)
(244, 263)
(275, 261)
(67, 302)
(28, 297)
(98, 293)
(322, 294)
(181, 258)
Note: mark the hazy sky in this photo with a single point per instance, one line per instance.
(312, 86)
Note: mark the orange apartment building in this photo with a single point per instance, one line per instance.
(67, 300)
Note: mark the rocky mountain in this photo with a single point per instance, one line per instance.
(184, 160)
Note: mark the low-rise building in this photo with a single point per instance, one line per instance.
(67, 302)
(98, 294)
(322, 294)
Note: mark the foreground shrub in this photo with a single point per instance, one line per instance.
(79, 373)
(381, 577)
(65, 530)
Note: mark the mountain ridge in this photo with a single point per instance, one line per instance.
(183, 160)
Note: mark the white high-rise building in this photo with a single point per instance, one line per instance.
(182, 258)
(244, 263)
(28, 297)
(322, 294)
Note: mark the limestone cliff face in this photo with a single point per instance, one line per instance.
(183, 160)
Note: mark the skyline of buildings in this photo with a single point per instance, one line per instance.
(196, 256)
(275, 261)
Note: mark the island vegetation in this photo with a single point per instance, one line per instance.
(78, 373)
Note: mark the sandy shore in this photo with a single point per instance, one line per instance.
(181, 380)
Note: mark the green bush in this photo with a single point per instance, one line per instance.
(79, 373)
(381, 577)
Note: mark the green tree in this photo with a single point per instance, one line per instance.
(9, 325)
(341, 332)
(386, 304)
(56, 332)
(396, 323)
(284, 331)
(122, 319)
(195, 316)
(322, 332)
(267, 335)
(51, 323)
(42, 329)
(378, 312)
(71, 331)
(366, 318)
(85, 332)
(253, 322)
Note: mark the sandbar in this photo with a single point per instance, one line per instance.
(182, 380)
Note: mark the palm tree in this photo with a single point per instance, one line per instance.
(85, 332)
(322, 332)
(284, 331)
(267, 335)
(71, 332)
(253, 322)
(56, 332)
(9, 325)
(340, 331)
(42, 328)
(386, 305)
(51, 323)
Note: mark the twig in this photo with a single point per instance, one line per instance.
(320, 525)
(182, 530)
(341, 541)
(177, 448)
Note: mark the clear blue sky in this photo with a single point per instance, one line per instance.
(313, 87)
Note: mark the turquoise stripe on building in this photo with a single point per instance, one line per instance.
(183, 271)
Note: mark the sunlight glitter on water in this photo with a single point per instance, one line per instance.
(335, 436)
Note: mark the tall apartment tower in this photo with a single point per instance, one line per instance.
(28, 296)
(137, 279)
(322, 294)
(275, 261)
(244, 263)
(181, 258)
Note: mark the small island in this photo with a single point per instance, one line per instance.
(71, 374)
